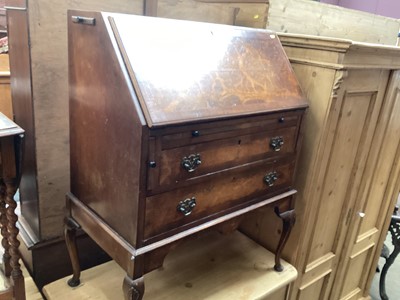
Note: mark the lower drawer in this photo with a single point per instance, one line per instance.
(220, 193)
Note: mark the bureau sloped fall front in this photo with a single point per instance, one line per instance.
(175, 127)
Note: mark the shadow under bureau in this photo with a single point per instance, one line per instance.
(175, 127)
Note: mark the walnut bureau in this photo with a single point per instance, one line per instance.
(175, 127)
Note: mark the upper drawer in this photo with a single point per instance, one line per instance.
(179, 158)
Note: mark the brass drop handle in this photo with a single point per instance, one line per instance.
(191, 162)
(270, 178)
(186, 206)
(276, 143)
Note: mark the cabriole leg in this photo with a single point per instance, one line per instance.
(133, 289)
(70, 239)
(288, 219)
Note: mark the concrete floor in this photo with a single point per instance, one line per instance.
(392, 277)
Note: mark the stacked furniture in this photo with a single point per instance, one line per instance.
(348, 175)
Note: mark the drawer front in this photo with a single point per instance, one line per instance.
(206, 132)
(187, 162)
(221, 192)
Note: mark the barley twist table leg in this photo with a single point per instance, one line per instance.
(16, 273)
(4, 231)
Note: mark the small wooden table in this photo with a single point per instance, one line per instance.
(11, 149)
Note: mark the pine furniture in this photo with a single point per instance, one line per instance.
(348, 175)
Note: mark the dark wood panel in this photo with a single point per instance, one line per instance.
(218, 193)
(105, 174)
(21, 91)
(173, 137)
(222, 154)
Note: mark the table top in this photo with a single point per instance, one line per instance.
(8, 127)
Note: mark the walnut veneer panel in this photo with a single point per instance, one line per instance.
(103, 177)
(219, 146)
(219, 194)
(224, 72)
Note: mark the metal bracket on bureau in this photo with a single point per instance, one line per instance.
(83, 20)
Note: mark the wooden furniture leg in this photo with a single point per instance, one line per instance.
(70, 239)
(4, 231)
(133, 288)
(16, 272)
(288, 219)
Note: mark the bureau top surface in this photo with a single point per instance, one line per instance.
(184, 71)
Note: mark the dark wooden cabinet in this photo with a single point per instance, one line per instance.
(175, 127)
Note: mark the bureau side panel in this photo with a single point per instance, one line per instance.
(105, 127)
